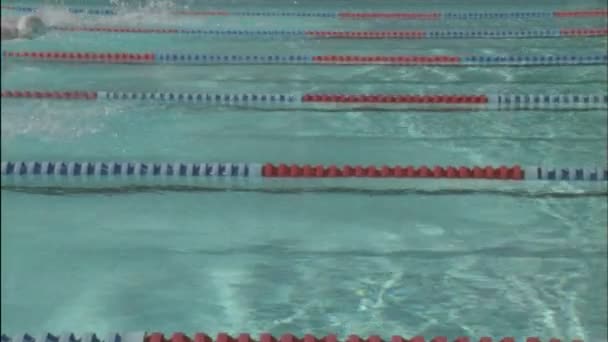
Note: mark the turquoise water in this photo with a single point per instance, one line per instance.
(491, 262)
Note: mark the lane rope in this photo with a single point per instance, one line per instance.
(336, 101)
(401, 34)
(435, 15)
(180, 58)
(263, 337)
(96, 169)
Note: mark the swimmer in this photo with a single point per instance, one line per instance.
(28, 27)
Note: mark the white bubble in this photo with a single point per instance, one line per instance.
(430, 230)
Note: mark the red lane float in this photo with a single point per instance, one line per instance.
(117, 57)
(588, 13)
(583, 32)
(59, 95)
(265, 337)
(333, 171)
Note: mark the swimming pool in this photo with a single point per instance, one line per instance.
(367, 256)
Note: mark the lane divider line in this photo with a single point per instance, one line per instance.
(245, 337)
(204, 59)
(323, 101)
(69, 169)
(403, 34)
(448, 15)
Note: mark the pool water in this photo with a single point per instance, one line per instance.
(316, 260)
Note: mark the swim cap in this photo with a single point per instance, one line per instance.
(30, 26)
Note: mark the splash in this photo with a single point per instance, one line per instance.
(127, 14)
(151, 7)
